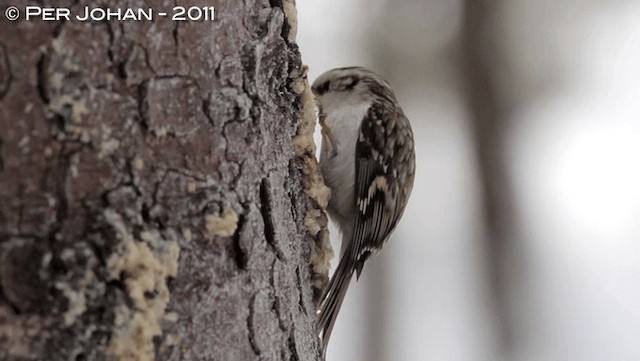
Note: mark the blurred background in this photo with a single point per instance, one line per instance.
(522, 238)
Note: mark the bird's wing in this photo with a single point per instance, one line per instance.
(379, 201)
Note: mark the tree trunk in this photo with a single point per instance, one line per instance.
(159, 197)
(481, 60)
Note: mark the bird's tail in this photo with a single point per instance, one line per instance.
(332, 299)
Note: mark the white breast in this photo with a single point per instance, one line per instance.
(338, 167)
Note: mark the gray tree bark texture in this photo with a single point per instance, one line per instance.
(159, 196)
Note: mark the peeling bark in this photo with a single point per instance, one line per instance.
(159, 195)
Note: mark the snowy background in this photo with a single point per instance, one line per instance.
(568, 75)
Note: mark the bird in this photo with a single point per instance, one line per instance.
(367, 159)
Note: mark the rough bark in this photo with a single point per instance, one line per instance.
(153, 202)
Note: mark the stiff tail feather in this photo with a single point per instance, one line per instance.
(332, 300)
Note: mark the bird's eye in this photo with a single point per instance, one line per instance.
(322, 88)
(350, 82)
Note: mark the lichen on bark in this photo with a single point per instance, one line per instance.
(143, 265)
(159, 198)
